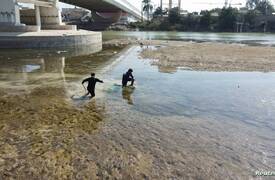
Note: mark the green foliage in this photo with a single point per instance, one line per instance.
(223, 20)
(174, 16)
(190, 22)
(263, 6)
(251, 4)
(227, 19)
(147, 7)
(250, 17)
(158, 12)
(271, 26)
(205, 21)
(154, 25)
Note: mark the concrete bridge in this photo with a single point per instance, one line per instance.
(47, 15)
(104, 12)
(107, 6)
(42, 26)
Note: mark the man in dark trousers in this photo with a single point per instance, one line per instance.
(128, 76)
(91, 84)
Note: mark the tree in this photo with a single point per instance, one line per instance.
(161, 5)
(191, 22)
(147, 8)
(250, 17)
(227, 19)
(158, 12)
(251, 4)
(263, 6)
(173, 15)
(205, 20)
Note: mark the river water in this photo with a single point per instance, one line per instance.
(244, 38)
(176, 124)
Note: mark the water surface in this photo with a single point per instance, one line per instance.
(175, 124)
(244, 38)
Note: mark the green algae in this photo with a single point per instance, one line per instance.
(38, 131)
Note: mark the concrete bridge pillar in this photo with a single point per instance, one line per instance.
(51, 16)
(37, 16)
(9, 13)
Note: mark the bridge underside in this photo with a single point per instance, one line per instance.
(106, 6)
(93, 5)
(46, 14)
(97, 21)
(104, 12)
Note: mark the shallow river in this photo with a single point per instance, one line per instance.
(244, 38)
(176, 124)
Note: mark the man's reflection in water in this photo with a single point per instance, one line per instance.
(127, 93)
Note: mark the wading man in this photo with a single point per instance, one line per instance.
(91, 84)
(128, 76)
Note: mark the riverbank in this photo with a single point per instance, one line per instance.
(206, 56)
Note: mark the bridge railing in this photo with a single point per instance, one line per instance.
(129, 4)
(44, 3)
(126, 6)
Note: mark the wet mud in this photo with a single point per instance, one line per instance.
(38, 134)
(212, 57)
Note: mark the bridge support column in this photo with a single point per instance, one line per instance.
(37, 16)
(9, 13)
(50, 16)
(10, 18)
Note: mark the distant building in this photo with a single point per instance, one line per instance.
(243, 10)
(215, 14)
(125, 19)
(183, 12)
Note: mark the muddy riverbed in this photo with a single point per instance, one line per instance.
(204, 56)
(176, 123)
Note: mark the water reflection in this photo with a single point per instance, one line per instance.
(36, 65)
(27, 74)
(25, 69)
(127, 94)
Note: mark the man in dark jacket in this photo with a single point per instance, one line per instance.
(128, 76)
(91, 84)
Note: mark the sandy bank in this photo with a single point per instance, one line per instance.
(208, 56)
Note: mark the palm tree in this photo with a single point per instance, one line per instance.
(147, 7)
(161, 7)
(170, 4)
(179, 5)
